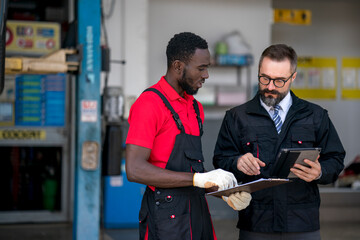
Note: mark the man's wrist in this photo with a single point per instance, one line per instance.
(319, 176)
(194, 179)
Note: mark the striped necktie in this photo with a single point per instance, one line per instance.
(276, 118)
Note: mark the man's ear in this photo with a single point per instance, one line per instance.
(178, 66)
(293, 77)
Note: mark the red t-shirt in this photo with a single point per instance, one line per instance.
(152, 125)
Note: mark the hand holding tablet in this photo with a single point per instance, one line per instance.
(288, 157)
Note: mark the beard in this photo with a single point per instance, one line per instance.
(271, 101)
(186, 86)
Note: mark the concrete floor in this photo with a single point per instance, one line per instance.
(225, 230)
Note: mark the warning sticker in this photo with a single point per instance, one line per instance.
(89, 111)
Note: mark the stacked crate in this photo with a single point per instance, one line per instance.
(40, 100)
(29, 100)
(54, 99)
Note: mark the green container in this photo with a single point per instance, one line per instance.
(49, 194)
(221, 48)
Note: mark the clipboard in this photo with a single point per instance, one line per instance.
(250, 186)
(287, 157)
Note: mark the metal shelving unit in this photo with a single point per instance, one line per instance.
(44, 137)
(243, 79)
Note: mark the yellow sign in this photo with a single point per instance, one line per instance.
(32, 37)
(350, 76)
(10, 134)
(292, 16)
(316, 78)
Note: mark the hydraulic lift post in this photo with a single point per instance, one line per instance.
(86, 223)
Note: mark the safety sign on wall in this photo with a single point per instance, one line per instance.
(350, 78)
(316, 78)
(292, 16)
(28, 37)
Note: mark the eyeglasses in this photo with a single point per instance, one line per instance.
(278, 82)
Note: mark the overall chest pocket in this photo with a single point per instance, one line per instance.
(195, 159)
(261, 146)
(302, 137)
(249, 144)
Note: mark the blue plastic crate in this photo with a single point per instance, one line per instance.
(55, 82)
(55, 96)
(55, 118)
(42, 96)
(24, 114)
(28, 121)
(29, 98)
(19, 108)
(51, 108)
(234, 59)
(54, 124)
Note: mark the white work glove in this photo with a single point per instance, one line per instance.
(238, 201)
(218, 177)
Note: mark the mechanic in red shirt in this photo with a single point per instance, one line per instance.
(164, 149)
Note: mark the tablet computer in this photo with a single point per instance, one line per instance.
(287, 157)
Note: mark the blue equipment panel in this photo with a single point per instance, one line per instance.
(122, 201)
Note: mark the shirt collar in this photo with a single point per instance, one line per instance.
(286, 102)
(170, 91)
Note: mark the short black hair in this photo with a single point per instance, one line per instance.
(279, 52)
(183, 46)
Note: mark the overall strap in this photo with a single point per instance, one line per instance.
(196, 107)
(166, 102)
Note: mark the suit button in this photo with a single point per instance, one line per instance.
(158, 192)
(157, 203)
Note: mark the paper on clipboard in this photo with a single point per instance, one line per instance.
(251, 186)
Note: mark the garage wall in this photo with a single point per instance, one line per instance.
(210, 19)
(141, 29)
(334, 32)
(127, 29)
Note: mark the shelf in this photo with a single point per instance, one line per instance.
(339, 190)
(226, 88)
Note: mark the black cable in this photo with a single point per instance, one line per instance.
(102, 127)
(104, 25)
(112, 6)
(106, 80)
